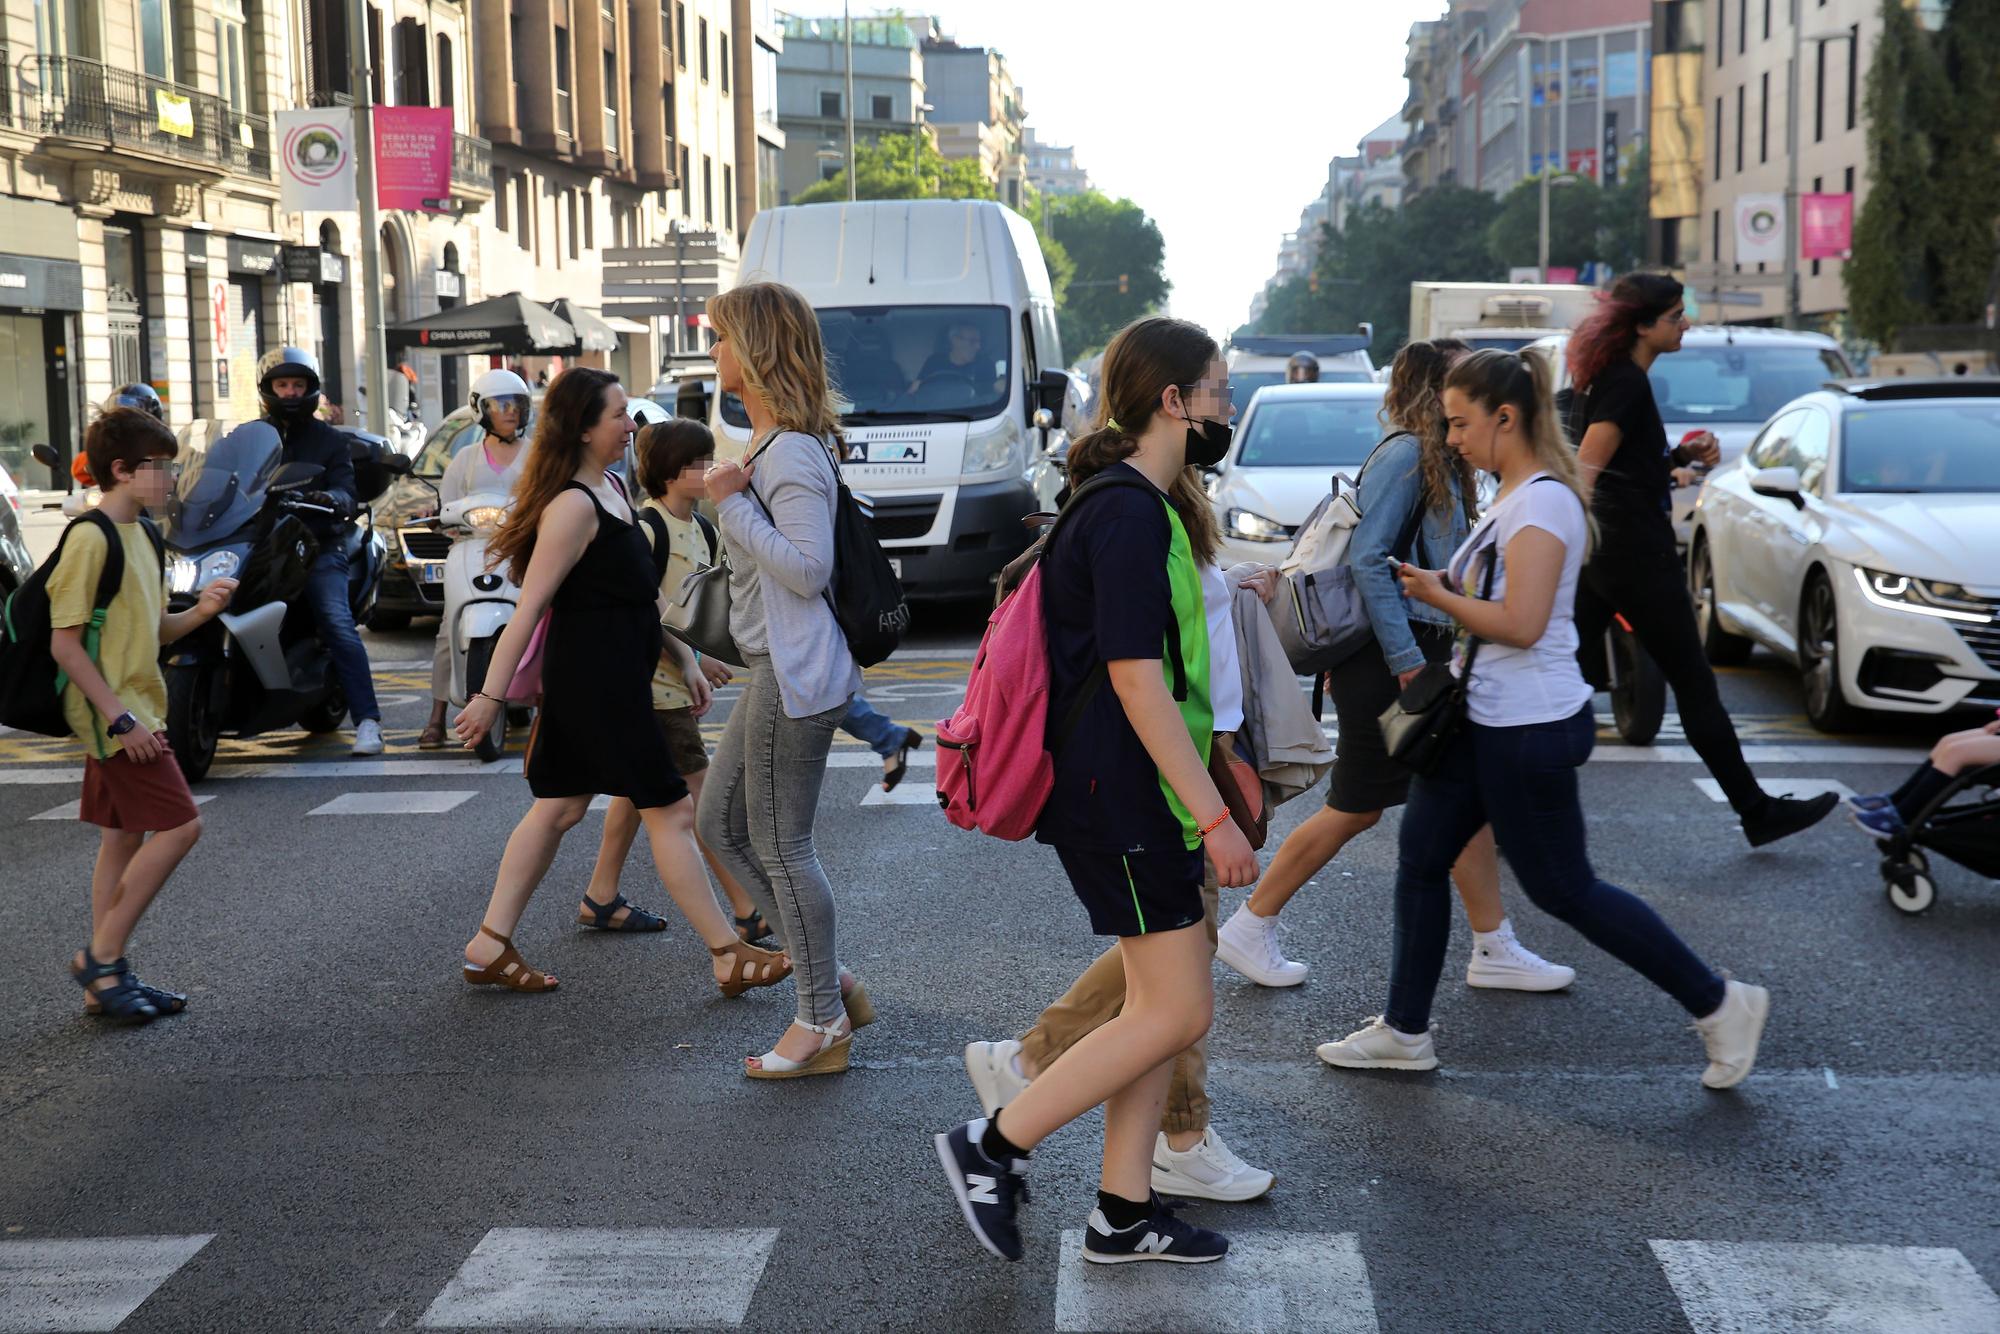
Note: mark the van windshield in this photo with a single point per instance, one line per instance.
(913, 363)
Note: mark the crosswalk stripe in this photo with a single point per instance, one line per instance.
(85, 1283)
(1311, 1282)
(606, 1278)
(73, 810)
(1782, 787)
(1805, 1288)
(910, 793)
(393, 803)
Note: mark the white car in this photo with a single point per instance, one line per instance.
(1727, 380)
(1290, 442)
(1859, 536)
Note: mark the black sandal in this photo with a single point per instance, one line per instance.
(913, 740)
(166, 1002)
(597, 916)
(126, 1002)
(753, 929)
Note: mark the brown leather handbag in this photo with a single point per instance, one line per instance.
(1241, 789)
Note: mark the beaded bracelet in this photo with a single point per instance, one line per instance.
(1216, 823)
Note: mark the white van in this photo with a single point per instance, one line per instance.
(940, 330)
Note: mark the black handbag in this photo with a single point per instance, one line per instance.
(1427, 717)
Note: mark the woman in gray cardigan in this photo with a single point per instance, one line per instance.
(776, 512)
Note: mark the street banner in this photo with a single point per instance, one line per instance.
(316, 159)
(413, 157)
(1826, 226)
(1760, 229)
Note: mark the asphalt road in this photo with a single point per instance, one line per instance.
(340, 1135)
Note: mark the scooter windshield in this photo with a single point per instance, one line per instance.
(222, 488)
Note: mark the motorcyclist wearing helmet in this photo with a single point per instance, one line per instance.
(1303, 368)
(288, 386)
(141, 396)
(500, 398)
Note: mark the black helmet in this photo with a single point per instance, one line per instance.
(1303, 368)
(142, 397)
(288, 361)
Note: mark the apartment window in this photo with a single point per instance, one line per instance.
(447, 73)
(1819, 93)
(156, 38)
(377, 86)
(565, 113)
(1767, 20)
(575, 223)
(515, 49)
(232, 64)
(687, 186)
(1853, 69)
(681, 32)
(589, 221)
(501, 199)
(1742, 26)
(524, 212)
(667, 106)
(829, 106)
(1739, 126)
(728, 196)
(708, 189)
(1715, 234)
(1764, 119)
(1721, 27)
(701, 37)
(722, 40)
(413, 84)
(610, 102)
(1718, 138)
(884, 107)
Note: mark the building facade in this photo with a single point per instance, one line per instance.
(889, 92)
(1051, 168)
(979, 112)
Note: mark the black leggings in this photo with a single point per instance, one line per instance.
(1649, 588)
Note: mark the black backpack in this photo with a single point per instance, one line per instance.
(31, 685)
(864, 593)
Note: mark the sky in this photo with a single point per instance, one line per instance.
(1218, 119)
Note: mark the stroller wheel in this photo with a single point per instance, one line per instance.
(1908, 882)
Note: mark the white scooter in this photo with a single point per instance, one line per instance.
(478, 603)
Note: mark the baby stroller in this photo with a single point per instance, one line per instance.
(1961, 824)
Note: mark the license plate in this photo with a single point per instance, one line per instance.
(896, 567)
(430, 571)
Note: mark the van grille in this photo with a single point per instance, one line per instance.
(900, 517)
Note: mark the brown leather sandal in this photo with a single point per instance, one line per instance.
(751, 967)
(510, 970)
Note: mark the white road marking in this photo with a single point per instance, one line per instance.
(911, 792)
(1807, 754)
(600, 802)
(85, 1283)
(72, 810)
(1782, 787)
(1807, 1288)
(1831, 1082)
(868, 759)
(606, 1278)
(1312, 1282)
(393, 803)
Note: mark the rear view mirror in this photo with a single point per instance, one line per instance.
(1779, 484)
(1050, 386)
(46, 457)
(398, 464)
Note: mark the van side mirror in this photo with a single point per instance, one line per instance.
(1050, 386)
(1779, 484)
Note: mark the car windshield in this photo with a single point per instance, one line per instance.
(1311, 433)
(1952, 445)
(445, 444)
(913, 363)
(1243, 386)
(1739, 382)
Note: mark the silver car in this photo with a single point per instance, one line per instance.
(15, 562)
(1729, 380)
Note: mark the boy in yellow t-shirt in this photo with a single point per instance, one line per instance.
(673, 460)
(117, 705)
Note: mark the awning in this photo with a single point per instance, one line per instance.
(592, 333)
(622, 325)
(501, 324)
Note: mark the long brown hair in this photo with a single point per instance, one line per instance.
(574, 403)
(1414, 402)
(1612, 329)
(1144, 358)
(775, 336)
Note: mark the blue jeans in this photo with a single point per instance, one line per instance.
(864, 724)
(326, 594)
(1522, 780)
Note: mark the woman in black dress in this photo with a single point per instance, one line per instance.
(576, 550)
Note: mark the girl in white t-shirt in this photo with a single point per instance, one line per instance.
(1512, 587)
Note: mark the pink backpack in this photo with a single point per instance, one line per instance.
(995, 770)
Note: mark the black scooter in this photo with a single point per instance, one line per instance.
(236, 513)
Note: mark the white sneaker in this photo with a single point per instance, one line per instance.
(1380, 1047)
(1249, 944)
(368, 737)
(1501, 962)
(994, 1068)
(1208, 1171)
(1731, 1034)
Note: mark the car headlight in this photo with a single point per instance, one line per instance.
(485, 516)
(998, 448)
(1924, 597)
(1253, 527)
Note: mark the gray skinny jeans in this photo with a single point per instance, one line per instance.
(756, 816)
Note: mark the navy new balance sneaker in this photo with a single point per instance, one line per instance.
(1161, 1237)
(988, 1193)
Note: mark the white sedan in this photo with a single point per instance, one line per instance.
(1290, 442)
(1859, 536)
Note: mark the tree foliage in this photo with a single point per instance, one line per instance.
(902, 166)
(1104, 238)
(1587, 223)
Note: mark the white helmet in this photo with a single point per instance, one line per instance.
(502, 384)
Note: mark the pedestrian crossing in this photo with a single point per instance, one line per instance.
(1272, 1282)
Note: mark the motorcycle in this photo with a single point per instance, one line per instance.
(236, 513)
(478, 604)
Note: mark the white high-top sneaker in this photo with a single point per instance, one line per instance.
(1249, 944)
(1731, 1034)
(1501, 962)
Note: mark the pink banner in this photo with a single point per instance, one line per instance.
(413, 157)
(1826, 224)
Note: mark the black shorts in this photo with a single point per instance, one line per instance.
(1137, 893)
(1364, 778)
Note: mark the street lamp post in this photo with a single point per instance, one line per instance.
(375, 370)
(1794, 298)
(1542, 252)
(847, 32)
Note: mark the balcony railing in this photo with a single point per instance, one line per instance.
(73, 98)
(471, 164)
